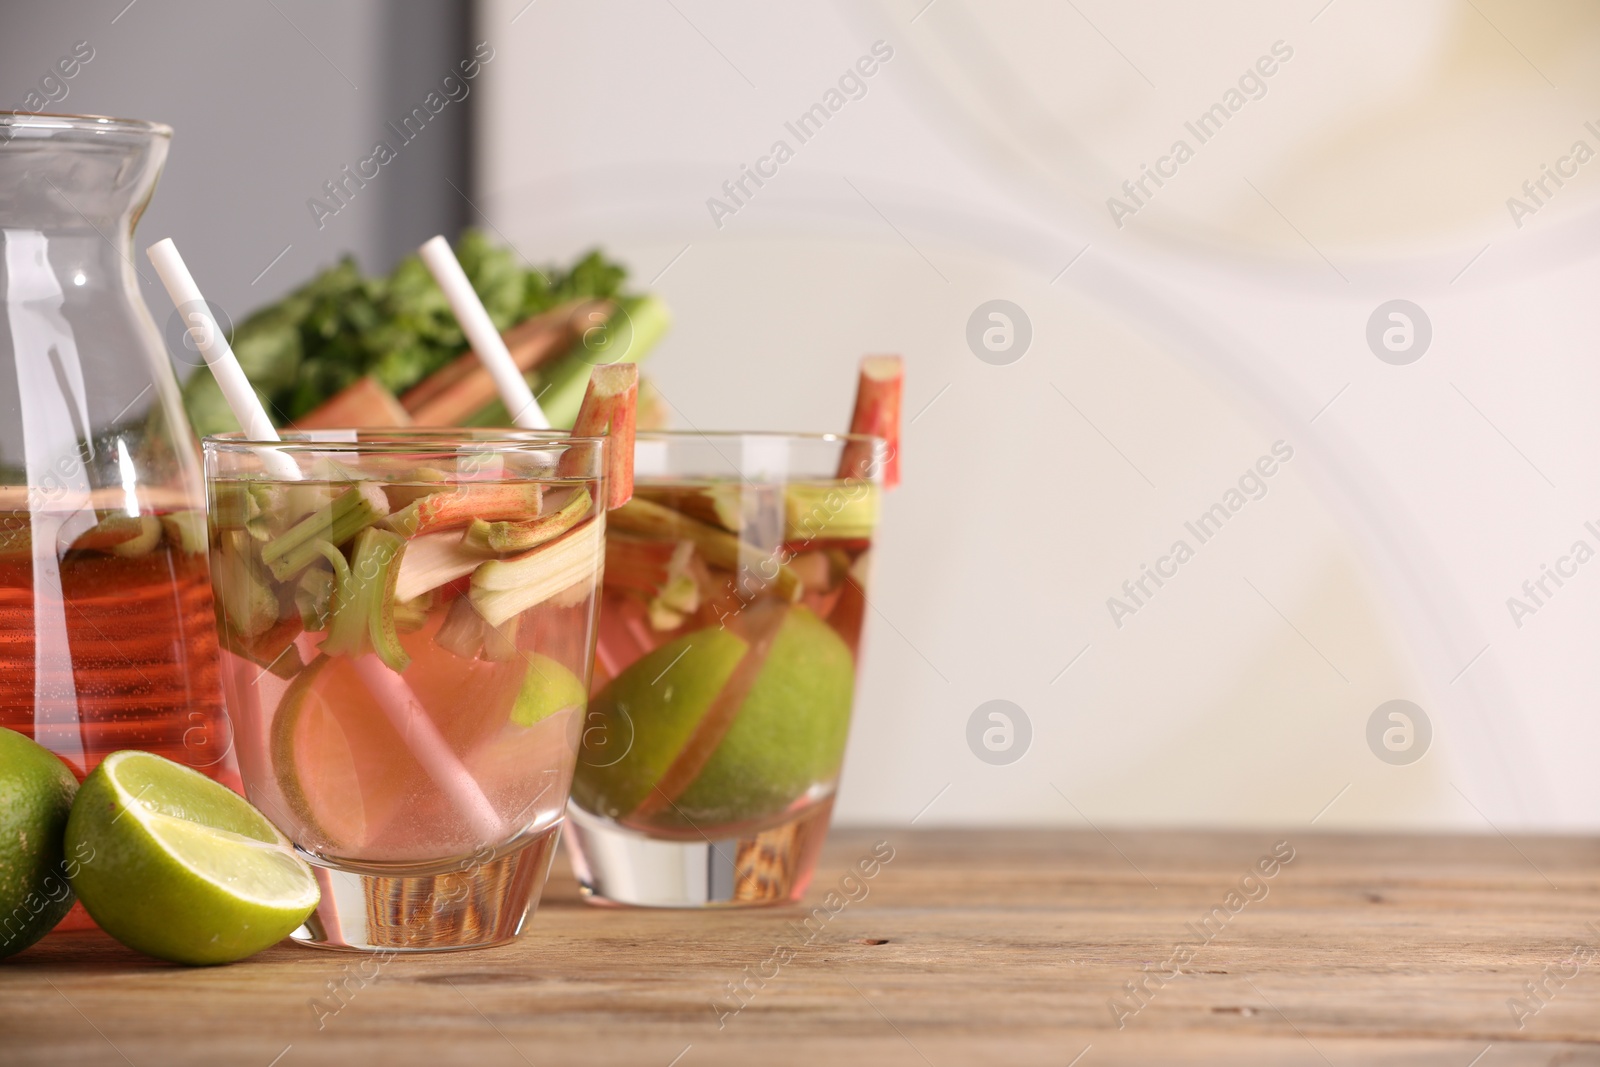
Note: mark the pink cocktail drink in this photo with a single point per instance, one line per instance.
(730, 633)
(407, 632)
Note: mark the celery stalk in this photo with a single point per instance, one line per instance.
(247, 603)
(363, 619)
(313, 595)
(352, 511)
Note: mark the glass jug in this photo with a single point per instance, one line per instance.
(107, 637)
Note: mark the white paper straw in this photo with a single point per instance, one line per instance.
(422, 738)
(208, 338)
(485, 339)
(402, 707)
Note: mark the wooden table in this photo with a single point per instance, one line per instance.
(967, 947)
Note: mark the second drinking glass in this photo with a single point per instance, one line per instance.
(730, 631)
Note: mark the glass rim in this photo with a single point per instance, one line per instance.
(442, 440)
(733, 435)
(50, 120)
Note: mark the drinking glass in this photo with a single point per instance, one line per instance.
(407, 621)
(730, 631)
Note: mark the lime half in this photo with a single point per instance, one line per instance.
(175, 865)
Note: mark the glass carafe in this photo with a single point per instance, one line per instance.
(107, 637)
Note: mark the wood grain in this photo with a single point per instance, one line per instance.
(967, 947)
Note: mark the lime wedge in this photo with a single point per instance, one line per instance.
(637, 725)
(547, 688)
(790, 733)
(179, 867)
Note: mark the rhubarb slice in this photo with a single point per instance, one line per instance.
(412, 615)
(351, 512)
(232, 505)
(115, 530)
(144, 542)
(846, 512)
(464, 633)
(507, 587)
(461, 504)
(718, 547)
(637, 563)
(363, 619)
(679, 594)
(877, 412)
(401, 495)
(186, 530)
(609, 408)
(503, 537)
(436, 559)
(721, 504)
(500, 642)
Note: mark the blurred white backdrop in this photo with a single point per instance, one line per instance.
(1229, 311)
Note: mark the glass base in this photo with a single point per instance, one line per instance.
(616, 865)
(481, 902)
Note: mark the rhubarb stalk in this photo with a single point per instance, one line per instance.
(609, 408)
(877, 412)
(506, 587)
(463, 503)
(435, 559)
(493, 537)
(718, 547)
(451, 395)
(363, 403)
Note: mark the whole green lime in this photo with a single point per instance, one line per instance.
(177, 866)
(36, 791)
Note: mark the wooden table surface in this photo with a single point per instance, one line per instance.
(967, 947)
